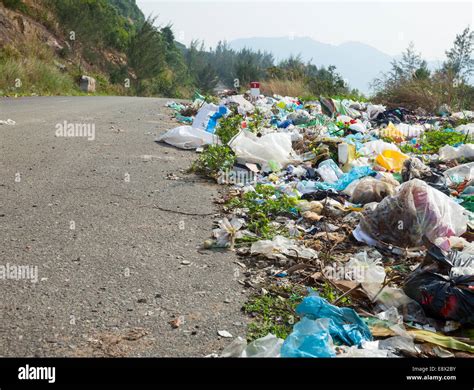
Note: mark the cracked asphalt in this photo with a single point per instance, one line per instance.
(113, 228)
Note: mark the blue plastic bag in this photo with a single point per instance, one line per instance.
(346, 179)
(310, 338)
(322, 323)
(211, 125)
(345, 325)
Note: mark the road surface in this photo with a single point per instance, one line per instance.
(113, 236)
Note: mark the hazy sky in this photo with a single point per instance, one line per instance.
(386, 25)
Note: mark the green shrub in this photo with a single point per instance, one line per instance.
(214, 159)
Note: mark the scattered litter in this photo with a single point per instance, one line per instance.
(225, 334)
(281, 247)
(9, 122)
(305, 180)
(267, 346)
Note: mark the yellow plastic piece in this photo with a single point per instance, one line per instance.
(393, 133)
(391, 160)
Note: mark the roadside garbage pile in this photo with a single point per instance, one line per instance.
(365, 214)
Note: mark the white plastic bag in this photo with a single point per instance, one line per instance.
(280, 247)
(365, 269)
(329, 171)
(267, 346)
(374, 109)
(448, 152)
(202, 117)
(460, 173)
(271, 147)
(374, 148)
(410, 131)
(245, 107)
(466, 129)
(187, 137)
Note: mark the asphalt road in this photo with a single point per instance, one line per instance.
(107, 233)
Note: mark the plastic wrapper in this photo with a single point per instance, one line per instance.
(415, 212)
(444, 285)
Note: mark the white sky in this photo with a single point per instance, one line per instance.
(389, 26)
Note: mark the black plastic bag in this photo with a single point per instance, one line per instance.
(438, 287)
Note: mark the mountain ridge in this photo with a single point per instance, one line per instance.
(357, 62)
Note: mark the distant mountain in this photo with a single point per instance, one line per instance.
(357, 62)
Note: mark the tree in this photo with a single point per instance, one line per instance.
(410, 63)
(201, 68)
(459, 58)
(146, 54)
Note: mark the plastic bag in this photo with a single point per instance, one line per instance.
(413, 168)
(346, 179)
(448, 152)
(365, 269)
(299, 117)
(201, 119)
(374, 148)
(244, 106)
(271, 147)
(369, 349)
(391, 160)
(187, 137)
(410, 131)
(329, 171)
(466, 129)
(373, 110)
(369, 189)
(267, 346)
(444, 285)
(392, 132)
(416, 211)
(280, 247)
(345, 326)
(310, 338)
(460, 173)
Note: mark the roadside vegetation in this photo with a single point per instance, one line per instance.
(411, 84)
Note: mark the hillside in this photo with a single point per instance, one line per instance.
(40, 55)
